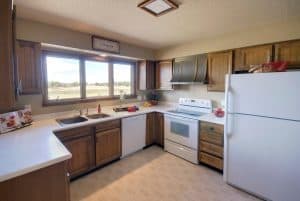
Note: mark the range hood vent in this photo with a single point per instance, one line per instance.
(190, 70)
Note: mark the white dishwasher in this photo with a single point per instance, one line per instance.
(133, 134)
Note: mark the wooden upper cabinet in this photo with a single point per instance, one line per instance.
(290, 52)
(164, 75)
(7, 89)
(146, 75)
(219, 64)
(245, 57)
(29, 67)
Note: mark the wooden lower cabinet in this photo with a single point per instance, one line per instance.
(159, 128)
(211, 160)
(82, 150)
(47, 184)
(150, 129)
(108, 146)
(155, 129)
(211, 144)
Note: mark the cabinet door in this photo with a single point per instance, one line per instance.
(28, 66)
(146, 74)
(108, 146)
(47, 184)
(290, 52)
(150, 131)
(245, 57)
(164, 75)
(82, 150)
(219, 64)
(159, 129)
(7, 91)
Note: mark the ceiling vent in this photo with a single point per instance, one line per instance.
(158, 7)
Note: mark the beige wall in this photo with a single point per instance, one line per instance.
(273, 33)
(193, 91)
(40, 32)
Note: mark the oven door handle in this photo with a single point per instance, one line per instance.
(180, 119)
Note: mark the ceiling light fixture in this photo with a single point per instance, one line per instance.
(158, 7)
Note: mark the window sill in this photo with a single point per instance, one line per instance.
(87, 100)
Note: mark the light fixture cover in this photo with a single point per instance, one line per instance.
(158, 7)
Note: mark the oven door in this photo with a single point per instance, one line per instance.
(182, 130)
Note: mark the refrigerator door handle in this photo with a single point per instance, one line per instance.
(228, 121)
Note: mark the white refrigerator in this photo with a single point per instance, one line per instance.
(262, 134)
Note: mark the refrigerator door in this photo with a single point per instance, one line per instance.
(265, 94)
(263, 156)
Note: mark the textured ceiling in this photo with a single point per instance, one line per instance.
(193, 20)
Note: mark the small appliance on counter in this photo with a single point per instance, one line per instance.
(13, 120)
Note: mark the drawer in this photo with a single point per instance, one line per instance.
(73, 133)
(211, 127)
(211, 149)
(211, 160)
(211, 133)
(108, 125)
(181, 151)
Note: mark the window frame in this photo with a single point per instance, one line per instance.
(82, 58)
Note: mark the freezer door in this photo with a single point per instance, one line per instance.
(265, 94)
(263, 156)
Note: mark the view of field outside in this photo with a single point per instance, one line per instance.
(64, 78)
(96, 79)
(122, 79)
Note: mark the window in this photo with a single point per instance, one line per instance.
(72, 78)
(63, 78)
(96, 74)
(122, 79)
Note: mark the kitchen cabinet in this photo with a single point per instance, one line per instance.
(150, 129)
(80, 142)
(28, 56)
(288, 51)
(7, 88)
(108, 145)
(219, 64)
(211, 144)
(164, 75)
(146, 75)
(159, 128)
(155, 129)
(46, 184)
(245, 57)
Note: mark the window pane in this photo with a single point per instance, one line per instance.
(96, 79)
(122, 79)
(63, 78)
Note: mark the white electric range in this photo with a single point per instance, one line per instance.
(182, 127)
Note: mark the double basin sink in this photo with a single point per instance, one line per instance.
(78, 119)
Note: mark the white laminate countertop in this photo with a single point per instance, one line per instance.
(35, 147)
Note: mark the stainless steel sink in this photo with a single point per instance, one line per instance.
(97, 116)
(72, 120)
